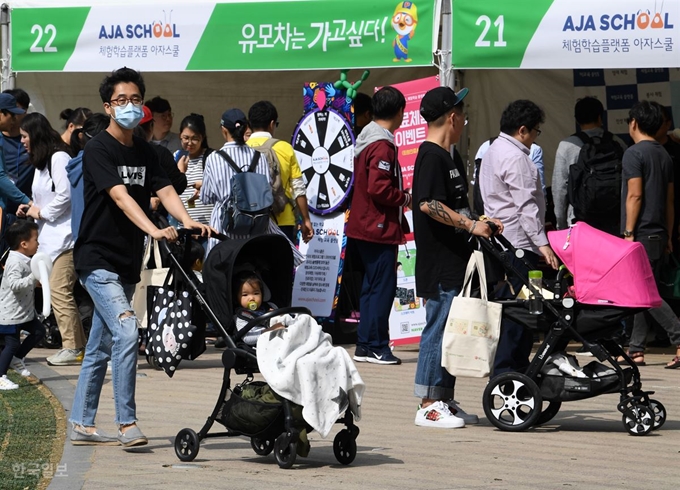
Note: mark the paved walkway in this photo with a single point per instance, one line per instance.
(584, 447)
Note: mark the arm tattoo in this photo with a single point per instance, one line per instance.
(436, 210)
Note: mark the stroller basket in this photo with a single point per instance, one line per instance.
(567, 388)
(253, 410)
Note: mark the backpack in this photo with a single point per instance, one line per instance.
(279, 193)
(594, 186)
(250, 201)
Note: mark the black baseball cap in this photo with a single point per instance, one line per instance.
(439, 101)
(233, 118)
(9, 103)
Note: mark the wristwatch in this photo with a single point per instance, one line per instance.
(627, 233)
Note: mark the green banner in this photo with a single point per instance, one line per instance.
(45, 39)
(494, 33)
(273, 35)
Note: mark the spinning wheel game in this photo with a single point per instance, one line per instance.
(324, 145)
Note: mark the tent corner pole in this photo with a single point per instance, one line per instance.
(6, 75)
(444, 54)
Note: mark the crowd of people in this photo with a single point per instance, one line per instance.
(91, 196)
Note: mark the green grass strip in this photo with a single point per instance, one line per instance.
(28, 429)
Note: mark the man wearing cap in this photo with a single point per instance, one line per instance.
(511, 191)
(443, 224)
(9, 193)
(377, 224)
(264, 119)
(163, 117)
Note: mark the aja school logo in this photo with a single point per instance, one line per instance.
(641, 20)
(156, 29)
(404, 22)
(133, 175)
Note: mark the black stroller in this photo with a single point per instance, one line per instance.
(280, 430)
(515, 401)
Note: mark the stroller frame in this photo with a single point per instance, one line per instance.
(519, 394)
(243, 361)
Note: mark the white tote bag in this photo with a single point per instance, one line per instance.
(472, 328)
(149, 277)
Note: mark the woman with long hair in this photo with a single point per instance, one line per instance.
(51, 209)
(191, 160)
(74, 119)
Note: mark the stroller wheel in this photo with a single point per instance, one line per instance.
(285, 453)
(549, 412)
(52, 338)
(638, 420)
(512, 402)
(187, 445)
(659, 412)
(344, 447)
(151, 360)
(261, 446)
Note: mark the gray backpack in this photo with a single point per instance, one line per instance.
(278, 191)
(250, 202)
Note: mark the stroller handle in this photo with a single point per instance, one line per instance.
(268, 316)
(182, 232)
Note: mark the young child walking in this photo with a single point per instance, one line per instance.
(17, 302)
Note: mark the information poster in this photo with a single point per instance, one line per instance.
(315, 280)
(407, 317)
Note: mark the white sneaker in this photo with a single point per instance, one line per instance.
(438, 415)
(19, 366)
(7, 384)
(469, 418)
(67, 357)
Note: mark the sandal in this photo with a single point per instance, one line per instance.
(674, 364)
(638, 358)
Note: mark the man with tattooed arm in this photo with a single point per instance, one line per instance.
(443, 224)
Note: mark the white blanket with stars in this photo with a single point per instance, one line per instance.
(301, 365)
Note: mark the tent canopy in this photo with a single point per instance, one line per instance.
(608, 271)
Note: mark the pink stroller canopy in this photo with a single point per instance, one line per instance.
(607, 270)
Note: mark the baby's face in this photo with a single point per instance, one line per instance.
(251, 294)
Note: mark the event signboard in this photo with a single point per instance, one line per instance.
(216, 36)
(566, 34)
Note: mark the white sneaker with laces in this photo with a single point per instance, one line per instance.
(7, 384)
(438, 415)
(19, 366)
(469, 418)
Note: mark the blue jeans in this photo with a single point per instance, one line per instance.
(377, 294)
(432, 380)
(14, 347)
(113, 336)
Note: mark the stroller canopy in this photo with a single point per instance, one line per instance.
(607, 270)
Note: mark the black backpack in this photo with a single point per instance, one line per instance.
(594, 187)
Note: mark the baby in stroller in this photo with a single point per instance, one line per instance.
(253, 295)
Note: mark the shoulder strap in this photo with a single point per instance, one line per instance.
(49, 171)
(269, 143)
(229, 160)
(583, 137)
(207, 152)
(255, 161)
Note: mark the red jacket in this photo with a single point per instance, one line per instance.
(376, 213)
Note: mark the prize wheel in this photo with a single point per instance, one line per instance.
(324, 145)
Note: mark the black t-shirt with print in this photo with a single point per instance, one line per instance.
(443, 251)
(108, 239)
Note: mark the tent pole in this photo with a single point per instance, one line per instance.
(6, 78)
(446, 73)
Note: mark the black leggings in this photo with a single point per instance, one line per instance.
(15, 348)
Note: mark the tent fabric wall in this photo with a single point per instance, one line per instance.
(207, 93)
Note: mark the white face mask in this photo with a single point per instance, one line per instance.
(128, 116)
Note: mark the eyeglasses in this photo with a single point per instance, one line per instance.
(190, 139)
(628, 120)
(538, 132)
(122, 100)
(277, 124)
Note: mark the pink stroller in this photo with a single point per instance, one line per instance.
(611, 279)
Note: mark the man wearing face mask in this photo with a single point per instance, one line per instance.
(120, 173)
